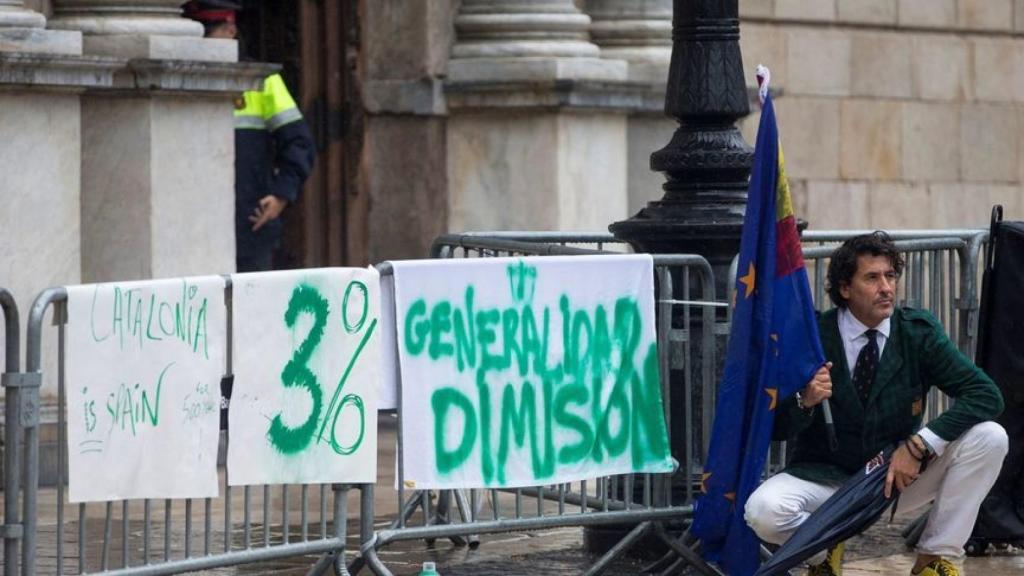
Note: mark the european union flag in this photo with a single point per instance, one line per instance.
(774, 350)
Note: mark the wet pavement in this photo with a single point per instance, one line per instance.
(878, 552)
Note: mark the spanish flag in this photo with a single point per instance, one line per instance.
(774, 350)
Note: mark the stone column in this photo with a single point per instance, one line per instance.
(157, 152)
(105, 17)
(42, 74)
(139, 29)
(513, 39)
(537, 126)
(158, 171)
(23, 30)
(640, 32)
(13, 14)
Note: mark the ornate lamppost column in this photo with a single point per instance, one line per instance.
(707, 166)
(706, 163)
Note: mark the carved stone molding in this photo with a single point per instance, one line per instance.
(521, 28)
(13, 14)
(123, 17)
(638, 31)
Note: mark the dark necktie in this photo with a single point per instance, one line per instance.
(867, 366)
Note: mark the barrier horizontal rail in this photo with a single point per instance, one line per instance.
(322, 515)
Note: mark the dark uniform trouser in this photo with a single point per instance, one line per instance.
(261, 262)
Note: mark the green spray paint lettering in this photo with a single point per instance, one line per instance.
(336, 407)
(132, 406)
(590, 405)
(89, 409)
(135, 318)
(296, 373)
(443, 401)
(465, 333)
(522, 281)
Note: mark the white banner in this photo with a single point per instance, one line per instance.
(306, 364)
(144, 364)
(526, 371)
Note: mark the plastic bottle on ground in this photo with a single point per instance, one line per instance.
(429, 569)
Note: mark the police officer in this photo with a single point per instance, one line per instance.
(274, 150)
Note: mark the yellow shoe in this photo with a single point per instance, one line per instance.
(833, 564)
(940, 567)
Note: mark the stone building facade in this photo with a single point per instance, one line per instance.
(893, 113)
(116, 147)
(115, 118)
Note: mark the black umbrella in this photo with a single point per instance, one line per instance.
(852, 509)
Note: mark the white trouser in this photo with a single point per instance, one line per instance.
(957, 482)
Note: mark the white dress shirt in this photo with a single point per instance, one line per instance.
(852, 332)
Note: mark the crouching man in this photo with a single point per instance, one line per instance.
(882, 361)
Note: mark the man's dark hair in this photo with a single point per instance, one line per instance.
(843, 265)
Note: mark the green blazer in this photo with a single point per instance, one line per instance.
(917, 356)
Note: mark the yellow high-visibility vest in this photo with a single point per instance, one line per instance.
(267, 109)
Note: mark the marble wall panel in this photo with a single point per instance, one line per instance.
(989, 140)
(40, 225)
(193, 187)
(871, 140)
(931, 142)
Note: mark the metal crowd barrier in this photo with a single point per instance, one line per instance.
(156, 537)
(643, 501)
(942, 275)
(13, 381)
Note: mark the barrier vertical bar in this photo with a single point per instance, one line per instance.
(305, 516)
(340, 524)
(12, 432)
(107, 531)
(247, 518)
(227, 518)
(81, 538)
(60, 318)
(147, 515)
(207, 525)
(29, 420)
(125, 559)
(167, 530)
(366, 512)
(188, 528)
(229, 359)
(266, 516)
(284, 513)
(663, 325)
(323, 511)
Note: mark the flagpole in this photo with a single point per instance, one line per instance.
(763, 80)
(830, 427)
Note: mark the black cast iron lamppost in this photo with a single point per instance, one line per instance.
(707, 163)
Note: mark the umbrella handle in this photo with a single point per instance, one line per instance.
(830, 427)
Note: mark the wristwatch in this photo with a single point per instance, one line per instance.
(800, 403)
(922, 445)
